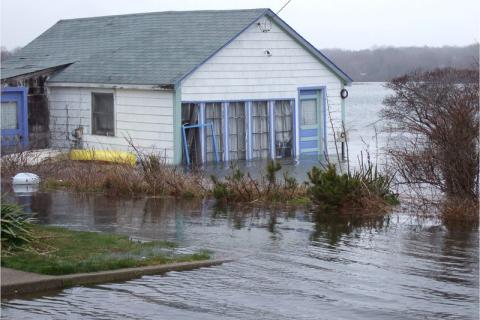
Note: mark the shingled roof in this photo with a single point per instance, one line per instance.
(156, 48)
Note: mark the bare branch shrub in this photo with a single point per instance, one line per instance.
(435, 116)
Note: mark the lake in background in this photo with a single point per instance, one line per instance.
(289, 263)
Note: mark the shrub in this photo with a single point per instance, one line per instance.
(16, 226)
(459, 212)
(240, 187)
(363, 190)
(437, 114)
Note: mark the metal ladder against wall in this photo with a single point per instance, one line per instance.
(198, 126)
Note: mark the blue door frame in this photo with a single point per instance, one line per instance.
(17, 136)
(313, 135)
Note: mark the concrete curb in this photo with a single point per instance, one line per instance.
(46, 283)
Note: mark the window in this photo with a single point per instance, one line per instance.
(309, 112)
(260, 130)
(9, 115)
(236, 130)
(102, 114)
(213, 114)
(283, 128)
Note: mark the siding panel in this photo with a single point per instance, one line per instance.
(144, 115)
(243, 71)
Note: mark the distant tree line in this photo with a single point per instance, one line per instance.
(5, 53)
(386, 63)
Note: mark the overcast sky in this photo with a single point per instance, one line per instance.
(348, 24)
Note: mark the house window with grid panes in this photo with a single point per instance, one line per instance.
(102, 114)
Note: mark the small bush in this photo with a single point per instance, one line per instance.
(16, 227)
(240, 187)
(362, 190)
(460, 212)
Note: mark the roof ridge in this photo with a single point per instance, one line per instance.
(164, 12)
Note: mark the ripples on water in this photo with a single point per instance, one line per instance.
(290, 264)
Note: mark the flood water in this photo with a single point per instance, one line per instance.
(289, 263)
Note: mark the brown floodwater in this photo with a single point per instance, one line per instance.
(289, 264)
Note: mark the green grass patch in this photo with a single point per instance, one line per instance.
(300, 201)
(58, 251)
(53, 184)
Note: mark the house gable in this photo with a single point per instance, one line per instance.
(259, 65)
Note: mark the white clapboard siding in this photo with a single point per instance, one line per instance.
(243, 71)
(145, 116)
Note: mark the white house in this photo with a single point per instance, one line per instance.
(213, 85)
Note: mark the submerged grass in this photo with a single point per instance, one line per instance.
(58, 251)
(153, 176)
(363, 191)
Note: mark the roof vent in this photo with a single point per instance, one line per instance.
(264, 25)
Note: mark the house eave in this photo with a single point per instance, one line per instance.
(157, 87)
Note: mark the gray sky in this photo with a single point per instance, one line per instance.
(348, 24)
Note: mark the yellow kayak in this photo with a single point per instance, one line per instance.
(104, 155)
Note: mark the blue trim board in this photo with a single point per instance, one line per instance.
(271, 118)
(185, 145)
(202, 132)
(226, 149)
(311, 88)
(294, 127)
(237, 100)
(248, 105)
(324, 106)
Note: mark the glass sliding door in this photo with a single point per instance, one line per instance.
(236, 131)
(260, 130)
(213, 114)
(283, 128)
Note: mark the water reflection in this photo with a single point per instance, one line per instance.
(333, 228)
(290, 264)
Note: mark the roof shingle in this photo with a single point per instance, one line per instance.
(148, 48)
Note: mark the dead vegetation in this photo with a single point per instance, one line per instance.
(435, 116)
(153, 176)
(241, 187)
